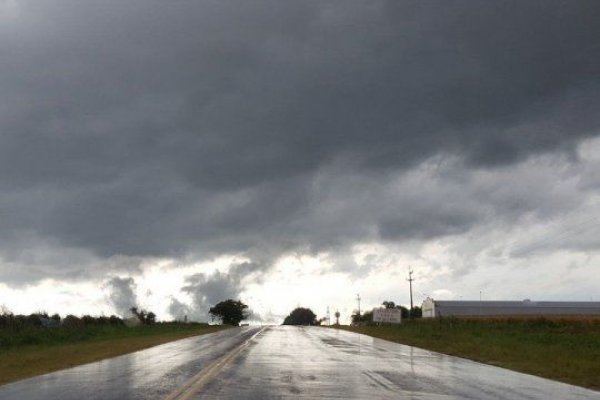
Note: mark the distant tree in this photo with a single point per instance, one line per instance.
(365, 318)
(114, 320)
(4, 311)
(33, 320)
(88, 320)
(145, 317)
(150, 318)
(230, 312)
(301, 316)
(72, 321)
(6, 317)
(337, 317)
(389, 304)
(417, 312)
(404, 311)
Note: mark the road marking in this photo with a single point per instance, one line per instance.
(193, 386)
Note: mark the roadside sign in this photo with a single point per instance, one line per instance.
(387, 315)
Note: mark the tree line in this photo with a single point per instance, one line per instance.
(228, 312)
(17, 322)
(12, 321)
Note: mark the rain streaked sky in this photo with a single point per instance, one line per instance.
(175, 154)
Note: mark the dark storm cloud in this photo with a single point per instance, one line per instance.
(26, 258)
(147, 128)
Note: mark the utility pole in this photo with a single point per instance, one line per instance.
(410, 281)
(358, 299)
(328, 317)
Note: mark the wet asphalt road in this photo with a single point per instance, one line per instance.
(147, 374)
(295, 363)
(321, 363)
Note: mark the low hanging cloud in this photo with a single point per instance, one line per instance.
(179, 311)
(121, 295)
(206, 290)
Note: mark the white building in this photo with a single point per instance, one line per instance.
(445, 308)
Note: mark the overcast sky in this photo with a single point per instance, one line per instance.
(175, 154)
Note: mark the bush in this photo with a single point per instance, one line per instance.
(71, 321)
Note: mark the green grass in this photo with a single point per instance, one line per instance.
(564, 349)
(32, 335)
(36, 351)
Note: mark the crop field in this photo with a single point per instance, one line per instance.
(561, 348)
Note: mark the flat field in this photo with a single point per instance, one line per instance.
(37, 351)
(563, 348)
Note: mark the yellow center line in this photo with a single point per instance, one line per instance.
(193, 386)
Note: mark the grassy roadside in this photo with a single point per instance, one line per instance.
(23, 361)
(563, 349)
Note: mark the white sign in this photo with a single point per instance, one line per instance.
(388, 315)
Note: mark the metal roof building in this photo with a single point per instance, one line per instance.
(438, 308)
